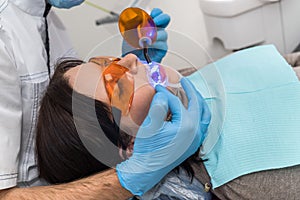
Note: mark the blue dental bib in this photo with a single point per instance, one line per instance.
(254, 98)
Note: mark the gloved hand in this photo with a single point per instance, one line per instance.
(161, 145)
(159, 49)
(65, 3)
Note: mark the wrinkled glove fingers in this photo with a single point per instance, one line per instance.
(174, 103)
(197, 104)
(160, 19)
(200, 105)
(194, 97)
(158, 45)
(206, 117)
(155, 12)
(162, 35)
(156, 115)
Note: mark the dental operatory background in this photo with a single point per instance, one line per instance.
(200, 30)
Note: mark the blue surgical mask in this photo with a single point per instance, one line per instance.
(65, 3)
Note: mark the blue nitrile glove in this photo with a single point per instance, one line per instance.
(65, 3)
(161, 145)
(159, 49)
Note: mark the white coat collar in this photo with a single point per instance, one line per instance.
(32, 7)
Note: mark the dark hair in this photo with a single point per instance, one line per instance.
(62, 157)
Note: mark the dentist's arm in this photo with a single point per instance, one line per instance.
(102, 186)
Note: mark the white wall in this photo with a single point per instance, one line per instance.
(187, 36)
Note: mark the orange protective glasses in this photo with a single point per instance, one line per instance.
(119, 89)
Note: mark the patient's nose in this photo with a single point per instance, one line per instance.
(130, 61)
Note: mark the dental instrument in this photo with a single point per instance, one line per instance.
(110, 19)
(101, 8)
(139, 30)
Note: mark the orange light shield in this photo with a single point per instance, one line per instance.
(135, 26)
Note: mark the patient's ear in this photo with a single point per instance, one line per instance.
(129, 149)
(125, 154)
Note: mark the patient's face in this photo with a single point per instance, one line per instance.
(87, 79)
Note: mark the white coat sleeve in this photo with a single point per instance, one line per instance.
(60, 43)
(10, 119)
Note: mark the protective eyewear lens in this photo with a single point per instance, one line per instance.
(118, 88)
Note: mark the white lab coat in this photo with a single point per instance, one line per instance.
(23, 78)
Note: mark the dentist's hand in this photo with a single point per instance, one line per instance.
(65, 3)
(161, 145)
(159, 49)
